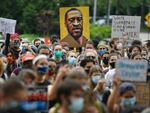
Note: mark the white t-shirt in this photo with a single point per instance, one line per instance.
(109, 75)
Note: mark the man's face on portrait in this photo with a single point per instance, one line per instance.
(74, 23)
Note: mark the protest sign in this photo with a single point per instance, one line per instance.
(126, 26)
(37, 98)
(7, 25)
(143, 93)
(131, 70)
(74, 25)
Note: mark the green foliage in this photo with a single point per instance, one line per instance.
(100, 31)
(30, 37)
(42, 16)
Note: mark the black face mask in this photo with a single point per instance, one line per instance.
(112, 64)
(37, 46)
(105, 61)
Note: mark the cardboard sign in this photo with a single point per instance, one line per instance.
(37, 98)
(126, 26)
(74, 25)
(7, 25)
(131, 70)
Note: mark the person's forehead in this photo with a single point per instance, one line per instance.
(44, 49)
(135, 48)
(138, 56)
(90, 54)
(105, 55)
(74, 13)
(72, 53)
(58, 47)
(43, 60)
(89, 45)
(113, 57)
(38, 41)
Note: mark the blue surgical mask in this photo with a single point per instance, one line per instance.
(76, 105)
(72, 61)
(95, 79)
(101, 52)
(42, 69)
(128, 102)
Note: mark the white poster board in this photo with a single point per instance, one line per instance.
(131, 70)
(7, 25)
(126, 26)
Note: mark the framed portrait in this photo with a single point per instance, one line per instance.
(74, 25)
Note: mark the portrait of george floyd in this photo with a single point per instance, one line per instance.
(74, 25)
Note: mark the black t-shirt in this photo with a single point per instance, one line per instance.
(45, 83)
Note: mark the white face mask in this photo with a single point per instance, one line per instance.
(119, 46)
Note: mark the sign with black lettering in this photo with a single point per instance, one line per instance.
(7, 25)
(126, 26)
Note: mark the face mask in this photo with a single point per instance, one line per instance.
(58, 54)
(37, 45)
(76, 105)
(95, 79)
(51, 71)
(105, 61)
(85, 87)
(119, 46)
(72, 61)
(42, 69)
(112, 64)
(16, 44)
(128, 102)
(101, 52)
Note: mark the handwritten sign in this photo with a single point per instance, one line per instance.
(7, 25)
(131, 70)
(126, 26)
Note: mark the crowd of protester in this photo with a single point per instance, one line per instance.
(78, 81)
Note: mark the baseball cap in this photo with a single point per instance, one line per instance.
(14, 36)
(28, 57)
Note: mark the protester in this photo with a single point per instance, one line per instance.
(12, 63)
(27, 76)
(1, 70)
(43, 49)
(5, 63)
(112, 61)
(37, 42)
(72, 58)
(78, 80)
(26, 64)
(51, 75)
(122, 97)
(95, 75)
(136, 56)
(40, 64)
(71, 98)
